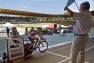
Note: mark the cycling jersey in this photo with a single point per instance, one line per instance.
(32, 35)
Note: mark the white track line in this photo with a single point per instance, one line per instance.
(63, 60)
(89, 48)
(64, 44)
(57, 54)
(61, 48)
(56, 50)
(68, 58)
(60, 44)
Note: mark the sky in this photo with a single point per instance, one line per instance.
(42, 6)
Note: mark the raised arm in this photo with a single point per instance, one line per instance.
(92, 12)
(69, 11)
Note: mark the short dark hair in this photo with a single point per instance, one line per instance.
(86, 5)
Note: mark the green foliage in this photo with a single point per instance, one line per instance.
(24, 26)
(65, 13)
(69, 18)
(45, 31)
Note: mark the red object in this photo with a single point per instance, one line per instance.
(50, 27)
(31, 39)
(32, 34)
(35, 31)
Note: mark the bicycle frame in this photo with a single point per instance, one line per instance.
(36, 44)
(29, 48)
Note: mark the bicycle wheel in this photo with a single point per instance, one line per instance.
(43, 46)
(28, 48)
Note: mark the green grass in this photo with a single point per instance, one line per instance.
(44, 30)
(24, 26)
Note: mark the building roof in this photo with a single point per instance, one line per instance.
(26, 13)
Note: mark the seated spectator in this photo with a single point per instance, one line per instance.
(59, 28)
(55, 28)
(14, 33)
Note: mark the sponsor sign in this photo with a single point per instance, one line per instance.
(15, 48)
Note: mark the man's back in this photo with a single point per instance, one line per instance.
(83, 23)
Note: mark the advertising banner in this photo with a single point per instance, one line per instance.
(15, 48)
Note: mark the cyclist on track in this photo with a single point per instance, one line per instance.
(32, 36)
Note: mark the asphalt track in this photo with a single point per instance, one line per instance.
(59, 54)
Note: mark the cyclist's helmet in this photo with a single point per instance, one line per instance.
(36, 31)
(39, 29)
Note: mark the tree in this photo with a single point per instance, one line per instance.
(65, 13)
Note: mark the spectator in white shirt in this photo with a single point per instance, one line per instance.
(81, 29)
(14, 33)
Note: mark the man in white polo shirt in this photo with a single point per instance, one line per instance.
(81, 29)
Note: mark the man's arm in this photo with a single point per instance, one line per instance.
(74, 15)
(69, 11)
(92, 12)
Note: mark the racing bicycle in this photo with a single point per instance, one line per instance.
(41, 45)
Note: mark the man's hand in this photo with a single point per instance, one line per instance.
(69, 11)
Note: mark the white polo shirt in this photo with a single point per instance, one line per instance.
(84, 22)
